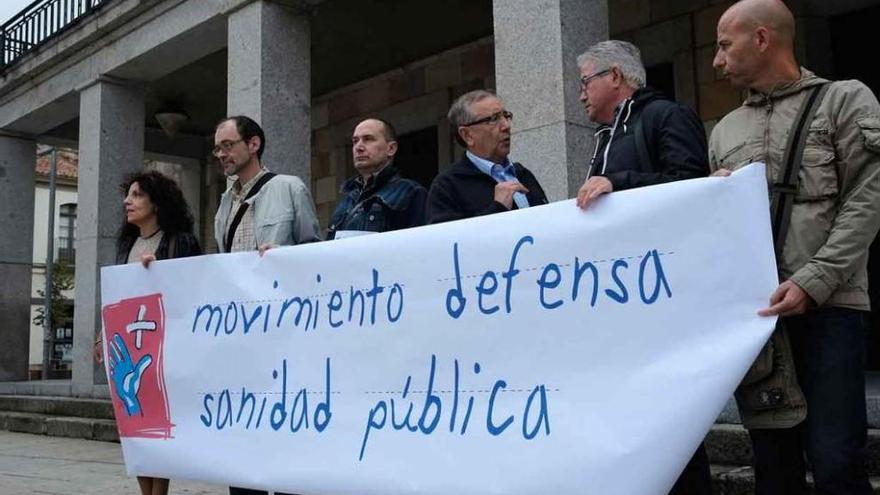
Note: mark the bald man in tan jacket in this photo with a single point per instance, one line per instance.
(822, 298)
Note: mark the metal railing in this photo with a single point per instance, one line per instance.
(66, 250)
(38, 23)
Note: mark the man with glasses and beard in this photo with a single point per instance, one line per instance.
(260, 209)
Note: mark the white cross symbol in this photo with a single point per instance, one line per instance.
(140, 326)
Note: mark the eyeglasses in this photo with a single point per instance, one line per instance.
(492, 119)
(585, 81)
(225, 146)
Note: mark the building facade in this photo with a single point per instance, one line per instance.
(308, 70)
(64, 253)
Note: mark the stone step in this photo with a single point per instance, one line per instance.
(57, 406)
(730, 445)
(59, 426)
(740, 480)
(54, 388)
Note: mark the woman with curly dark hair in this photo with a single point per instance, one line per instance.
(158, 225)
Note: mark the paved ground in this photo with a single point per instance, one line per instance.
(41, 465)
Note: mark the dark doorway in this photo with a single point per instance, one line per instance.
(416, 157)
(849, 46)
(850, 43)
(662, 78)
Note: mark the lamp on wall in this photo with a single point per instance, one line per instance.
(171, 121)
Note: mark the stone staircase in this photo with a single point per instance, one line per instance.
(730, 450)
(47, 409)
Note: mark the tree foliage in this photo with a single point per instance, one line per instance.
(62, 310)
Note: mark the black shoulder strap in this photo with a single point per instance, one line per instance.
(230, 234)
(784, 189)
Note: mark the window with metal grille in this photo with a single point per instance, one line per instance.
(67, 233)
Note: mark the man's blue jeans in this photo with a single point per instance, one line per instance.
(829, 346)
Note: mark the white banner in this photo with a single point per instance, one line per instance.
(545, 350)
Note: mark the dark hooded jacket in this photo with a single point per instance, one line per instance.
(674, 144)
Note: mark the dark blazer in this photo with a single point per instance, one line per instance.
(463, 191)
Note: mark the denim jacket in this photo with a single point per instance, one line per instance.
(388, 202)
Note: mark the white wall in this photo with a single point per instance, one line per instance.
(63, 194)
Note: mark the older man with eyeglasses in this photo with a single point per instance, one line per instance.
(260, 209)
(485, 180)
(644, 138)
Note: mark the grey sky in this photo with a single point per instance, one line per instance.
(9, 8)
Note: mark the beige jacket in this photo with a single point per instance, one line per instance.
(836, 211)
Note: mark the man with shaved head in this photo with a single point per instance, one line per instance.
(822, 152)
(377, 199)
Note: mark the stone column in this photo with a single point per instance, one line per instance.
(536, 46)
(111, 146)
(17, 161)
(269, 80)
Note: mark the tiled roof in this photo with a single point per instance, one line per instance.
(68, 163)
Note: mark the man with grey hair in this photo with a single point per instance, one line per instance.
(485, 180)
(643, 139)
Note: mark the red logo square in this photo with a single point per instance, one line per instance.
(134, 337)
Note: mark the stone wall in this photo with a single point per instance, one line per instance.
(412, 97)
(681, 32)
(416, 96)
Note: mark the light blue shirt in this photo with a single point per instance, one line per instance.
(503, 172)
